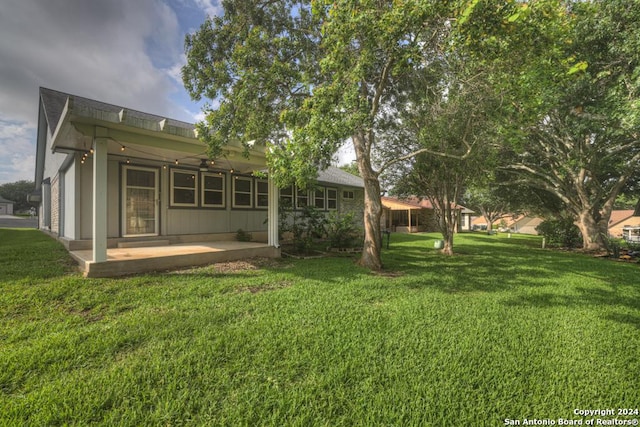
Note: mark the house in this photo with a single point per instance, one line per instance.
(466, 219)
(6, 206)
(620, 219)
(334, 191)
(524, 224)
(413, 214)
(127, 191)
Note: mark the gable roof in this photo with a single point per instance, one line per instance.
(335, 175)
(620, 216)
(54, 102)
(3, 200)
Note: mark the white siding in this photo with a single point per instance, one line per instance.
(69, 202)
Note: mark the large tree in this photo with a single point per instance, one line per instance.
(304, 76)
(585, 148)
(449, 122)
(487, 199)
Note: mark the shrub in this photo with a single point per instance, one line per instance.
(304, 225)
(561, 232)
(341, 230)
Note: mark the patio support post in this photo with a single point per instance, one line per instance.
(272, 214)
(410, 222)
(100, 195)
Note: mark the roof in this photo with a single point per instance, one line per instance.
(413, 202)
(620, 216)
(3, 200)
(54, 102)
(335, 175)
(408, 203)
(525, 220)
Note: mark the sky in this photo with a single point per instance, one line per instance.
(123, 52)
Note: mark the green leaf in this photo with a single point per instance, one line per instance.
(464, 17)
(579, 66)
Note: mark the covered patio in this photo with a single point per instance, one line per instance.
(131, 260)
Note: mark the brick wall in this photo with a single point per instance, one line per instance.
(355, 205)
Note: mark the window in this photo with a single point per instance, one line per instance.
(347, 195)
(212, 192)
(286, 197)
(302, 198)
(242, 192)
(318, 198)
(262, 193)
(332, 199)
(183, 188)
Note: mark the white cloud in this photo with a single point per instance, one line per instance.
(209, 7)
(17, 151)
(118, 51)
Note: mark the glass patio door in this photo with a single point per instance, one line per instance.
(139, 201)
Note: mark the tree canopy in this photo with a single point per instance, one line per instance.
(585, 149)
(454, 80)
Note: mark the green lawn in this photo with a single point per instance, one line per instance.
(502, 330)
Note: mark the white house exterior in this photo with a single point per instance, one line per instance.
(6, 206)
(107, 177)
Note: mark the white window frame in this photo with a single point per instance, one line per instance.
(348, 194)
(204, 190)
(172, 187)
(237, 178)
(258, 194)
(290, 197)
(300, 193)
(316, 198)
(334, 199)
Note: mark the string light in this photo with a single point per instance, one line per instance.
(176, 161)
(122, 148)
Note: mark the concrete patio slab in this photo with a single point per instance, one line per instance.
(124, 261)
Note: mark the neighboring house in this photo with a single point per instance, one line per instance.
(625, 224)
(412, 214)
(109, 177)
(524, 224)
(466, 219)
(621, 219)
(6, 206)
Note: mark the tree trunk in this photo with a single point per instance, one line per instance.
(489, 226)
(447, 249)
(447, 221)
(372, 204)
(593, 232)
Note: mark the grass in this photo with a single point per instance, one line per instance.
(502, 330)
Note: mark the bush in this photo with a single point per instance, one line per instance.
(561, 232)
(304, 225)
(341, 230)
